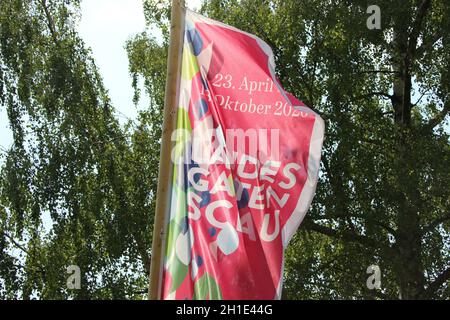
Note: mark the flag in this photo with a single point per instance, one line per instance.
(246, 158)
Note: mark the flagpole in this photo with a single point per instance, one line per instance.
(169, 125)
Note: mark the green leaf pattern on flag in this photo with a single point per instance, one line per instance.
(180, 239)
(206, 288)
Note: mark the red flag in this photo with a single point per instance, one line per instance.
(245, 169)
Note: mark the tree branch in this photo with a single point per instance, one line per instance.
(379, 71)
(50, 21)
(374, 221)
(438, 119)
(375, 94)
(428, 43)
(15, 243)
(142, 252)
(40, 268)
(435, 223)
(420, 99)
(417, 26)
(341, 235)
(436, 284)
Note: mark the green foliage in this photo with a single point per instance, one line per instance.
(72, 169)
(382, 198)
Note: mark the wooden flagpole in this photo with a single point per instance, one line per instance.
(169, 125)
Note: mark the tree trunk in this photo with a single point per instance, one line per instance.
(408, 266)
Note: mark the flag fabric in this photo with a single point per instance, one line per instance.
(246, 160)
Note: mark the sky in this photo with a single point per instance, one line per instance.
(105, 26)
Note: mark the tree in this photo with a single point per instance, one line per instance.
(76, 187)
(382, 197)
